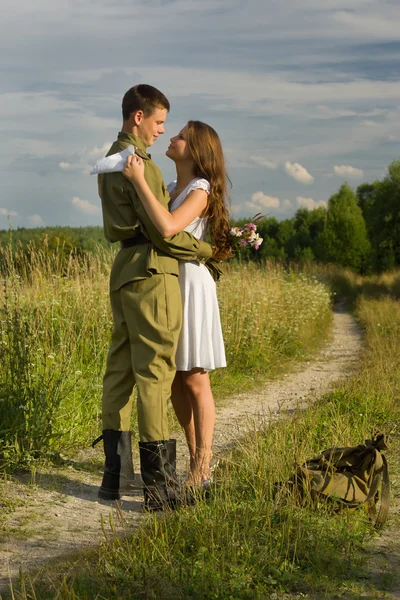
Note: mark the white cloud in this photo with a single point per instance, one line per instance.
(259, 199)
(374, 24)
(369, 123)
(309, 203)
(8, 213)
(36, 221)
(348, 171)
(298, 172)
(87, 159)
(313, 107)
(263, 162)
(85, 206)
(64, 165)
(252, 206)
(236, 209)
(259, 202)
(333, 113)
(99, 152)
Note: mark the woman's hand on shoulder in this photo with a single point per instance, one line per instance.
(134, 169)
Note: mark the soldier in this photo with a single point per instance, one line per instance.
(147, 312)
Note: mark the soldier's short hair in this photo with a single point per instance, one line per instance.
(143, 97)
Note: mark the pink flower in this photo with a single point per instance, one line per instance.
(251, 226)
(243, 243)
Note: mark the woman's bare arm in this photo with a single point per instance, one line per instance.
(165, 222)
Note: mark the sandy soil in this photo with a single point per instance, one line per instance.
(59, 511)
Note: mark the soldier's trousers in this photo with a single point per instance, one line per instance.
(147, 321)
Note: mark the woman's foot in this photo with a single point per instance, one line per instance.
(198, 480)
(199, 490)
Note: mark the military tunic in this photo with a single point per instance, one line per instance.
(145, 300)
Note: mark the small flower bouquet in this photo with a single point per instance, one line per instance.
(241, 237)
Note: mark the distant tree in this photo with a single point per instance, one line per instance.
(268, 227)
(304, 255)
(384, 220)
(270, 248)
(302, 228)
(344, 240)
(285, 237)
(308, 225)
(83, 239)
(366, 196)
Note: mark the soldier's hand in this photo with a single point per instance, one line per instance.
(217, 255)
(215, 268)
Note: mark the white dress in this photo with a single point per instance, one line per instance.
(201, 343)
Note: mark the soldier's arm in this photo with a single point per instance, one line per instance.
(182, 245)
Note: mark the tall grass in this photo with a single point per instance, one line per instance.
(269, 318)
(54, 329)
(55, 326)
(246, 542)
(347, 286)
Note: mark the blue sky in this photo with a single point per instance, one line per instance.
(305, 95)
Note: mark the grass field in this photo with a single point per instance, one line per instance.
(55, 326)
(243, 543)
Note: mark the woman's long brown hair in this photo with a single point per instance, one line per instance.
(206, 150)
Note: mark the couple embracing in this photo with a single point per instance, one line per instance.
(167, 332)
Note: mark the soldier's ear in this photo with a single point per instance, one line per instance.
(138, 116)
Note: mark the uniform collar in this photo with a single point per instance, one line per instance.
(134, 140)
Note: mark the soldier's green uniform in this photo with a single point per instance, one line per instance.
(145, 300)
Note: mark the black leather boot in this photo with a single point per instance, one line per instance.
(171, 464)
(157, 464)
(118, 478)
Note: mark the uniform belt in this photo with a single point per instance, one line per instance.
(139, 238)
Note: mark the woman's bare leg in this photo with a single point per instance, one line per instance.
(196, 384)
(182, 405)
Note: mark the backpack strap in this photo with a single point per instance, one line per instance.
(382, 515)
(385, 495)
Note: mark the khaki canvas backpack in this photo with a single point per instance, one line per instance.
(352, 476)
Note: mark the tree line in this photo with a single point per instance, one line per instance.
(359, 230)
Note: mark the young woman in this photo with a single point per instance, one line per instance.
(198, 205)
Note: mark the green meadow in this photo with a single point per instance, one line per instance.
(243, 543)
(55, 330)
